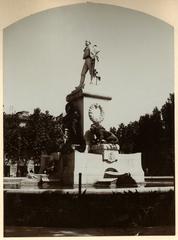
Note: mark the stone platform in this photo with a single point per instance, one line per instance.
(93, 167)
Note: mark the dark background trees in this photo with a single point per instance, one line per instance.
(27, 136)
(30, 136)
(153, 135)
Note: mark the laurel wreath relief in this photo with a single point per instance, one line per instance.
(96, 113)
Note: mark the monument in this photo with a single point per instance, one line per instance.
(90, 149)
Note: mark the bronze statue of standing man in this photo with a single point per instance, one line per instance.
(90, 55)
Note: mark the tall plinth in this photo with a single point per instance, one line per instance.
(92, 105)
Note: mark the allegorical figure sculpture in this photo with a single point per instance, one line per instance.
(98, 134)
(72, 122)
(90, 56)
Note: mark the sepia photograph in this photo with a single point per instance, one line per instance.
(88, 123)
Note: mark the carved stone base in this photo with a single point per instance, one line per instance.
(93, 168)
(110, 152)
(100, 148)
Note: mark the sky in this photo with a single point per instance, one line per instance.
(43, 59)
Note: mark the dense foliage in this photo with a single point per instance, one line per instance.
(31, 136)
(153, 135)
(120, 210)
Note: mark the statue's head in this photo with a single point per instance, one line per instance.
(94, 127)
(87, 43)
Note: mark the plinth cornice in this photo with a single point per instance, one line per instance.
(84, 93)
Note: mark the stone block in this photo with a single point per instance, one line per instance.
(83, 99)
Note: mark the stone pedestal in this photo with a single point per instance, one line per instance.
(84, 100)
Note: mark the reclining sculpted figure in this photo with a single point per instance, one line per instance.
(98, 134)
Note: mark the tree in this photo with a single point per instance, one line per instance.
(10, 135)
(167, 112)
(153, 135)
(41, 133)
